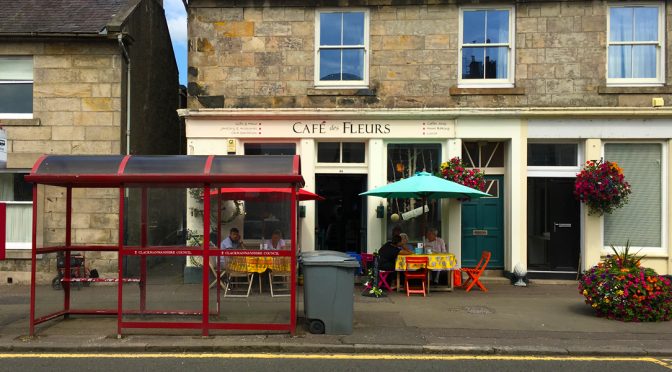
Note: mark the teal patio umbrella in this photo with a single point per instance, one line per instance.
(424, 186)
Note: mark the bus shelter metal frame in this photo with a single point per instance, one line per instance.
(122, 181)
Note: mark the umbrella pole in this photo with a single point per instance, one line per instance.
(424, 228)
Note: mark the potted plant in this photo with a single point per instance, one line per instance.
(371, 288)
(620, 288)
(601, 186)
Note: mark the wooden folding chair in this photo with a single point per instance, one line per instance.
(416, 269)
(475, 273)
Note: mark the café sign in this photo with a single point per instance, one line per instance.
(321, 129)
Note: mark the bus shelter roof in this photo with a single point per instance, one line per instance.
(182, 170)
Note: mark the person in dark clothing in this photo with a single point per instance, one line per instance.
(387, 254)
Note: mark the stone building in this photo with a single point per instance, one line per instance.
(368, 92)
(80, 77)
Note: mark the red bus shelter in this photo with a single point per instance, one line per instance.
(111, 208)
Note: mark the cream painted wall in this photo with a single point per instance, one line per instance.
(515, 204)
(592, 225)
(306, 149)
(376, 177)
(451, 213)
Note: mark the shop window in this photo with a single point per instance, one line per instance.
(342, 49)
(483, 154)
(341, 152)
(16, 87)
(270, 149)
(552, 154)
(639, 221)
(403, 161)
(17, 195)
(635, 44)
(486, 46)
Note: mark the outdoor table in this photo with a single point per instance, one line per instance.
(436, 262)
(258, 265)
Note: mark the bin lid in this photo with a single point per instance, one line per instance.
(328, 258)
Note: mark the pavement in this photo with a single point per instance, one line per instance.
(545, 318)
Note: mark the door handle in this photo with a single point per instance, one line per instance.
(557, 225)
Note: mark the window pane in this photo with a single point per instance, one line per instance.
(353, 152)
(640, 220)
(620, 24)
(473, 27)
(16, 98)
(498, 26)
(14, 188)
(353, 64)
(403, 160)
(496, 63)
(552, 154)
(646, 24)
(353, 28)
(328, 152)
(644, 61)
(620, 61)
(330, 65)
(16, 68)
(330, 28)
(270, 149)
(472, 63)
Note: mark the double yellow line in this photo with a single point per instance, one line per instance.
(329, 356)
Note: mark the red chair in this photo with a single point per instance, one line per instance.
(412, 274)
(382, 280)
(475, 273)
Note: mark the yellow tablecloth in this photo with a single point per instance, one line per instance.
(436, 261)
(255, 264)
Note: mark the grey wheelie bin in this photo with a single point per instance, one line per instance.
(328, 285)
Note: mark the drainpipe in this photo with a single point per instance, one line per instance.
(127, 58)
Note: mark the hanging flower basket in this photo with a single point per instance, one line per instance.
(455, 170)
(602, 187)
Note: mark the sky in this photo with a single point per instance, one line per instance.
(177, 24)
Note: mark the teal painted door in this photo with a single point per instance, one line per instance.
(483, 226)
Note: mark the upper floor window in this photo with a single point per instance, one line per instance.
(635, 45)
(16, 87)
(486, 47)
(342, 49)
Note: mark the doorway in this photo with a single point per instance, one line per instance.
(483, 226)
(341, 219)
(553, 228)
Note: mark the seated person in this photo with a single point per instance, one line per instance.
(387, 254)
(396, 231)
(233, 241)
(436, 244)
(404, 241)
(276, 241)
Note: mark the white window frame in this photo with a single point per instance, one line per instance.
(489, 83)
(660, 50)
(650, 252)
(340, 167)
(346, 84)
(10, 115)
(561, 171)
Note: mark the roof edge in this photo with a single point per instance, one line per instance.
(117, 22)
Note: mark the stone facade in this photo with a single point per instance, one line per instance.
(243, 56)
(80, 108)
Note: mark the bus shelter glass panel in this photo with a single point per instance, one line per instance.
(95, 218)
(80, 164)
(50, 268)
(101, 294)
(168, 164)
(251, 269)
(157, 285)
(49, 290)
(155, 290)
(261, 164)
